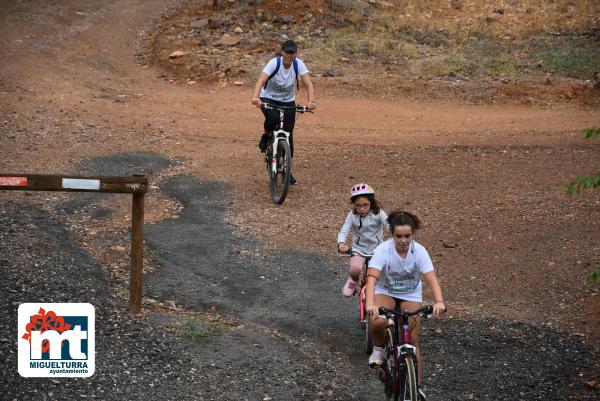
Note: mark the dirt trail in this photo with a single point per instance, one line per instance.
(489, 178)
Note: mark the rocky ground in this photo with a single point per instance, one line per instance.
(285, 336)
(354, 46)
(237, 307)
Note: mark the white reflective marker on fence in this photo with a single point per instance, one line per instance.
(74, 183)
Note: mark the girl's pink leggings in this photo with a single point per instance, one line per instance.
(356, 265)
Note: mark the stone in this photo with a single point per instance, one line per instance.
(283, 19)
(228, 40)
(380, 4)
(449, 244)
(177, 54)
(216, 22)
(200, 23)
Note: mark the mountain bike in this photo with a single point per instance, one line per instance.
(362, 308)
(278, 156)
(362, 305)
(399, 369)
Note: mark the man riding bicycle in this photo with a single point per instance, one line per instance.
(277, 85)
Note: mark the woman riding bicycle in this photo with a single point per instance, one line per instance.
(277, 85)
(394, 278)
(366, 220)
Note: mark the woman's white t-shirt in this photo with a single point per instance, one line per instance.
(282, 87)
(401, 277)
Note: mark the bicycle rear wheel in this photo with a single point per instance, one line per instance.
(280, 179)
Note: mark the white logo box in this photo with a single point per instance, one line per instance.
(79, 357)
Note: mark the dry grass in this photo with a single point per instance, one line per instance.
(521, 17)
(463, 45)
(472, 38)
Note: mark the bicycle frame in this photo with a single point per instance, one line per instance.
(401, 348)
(362, 293)
(279, 134)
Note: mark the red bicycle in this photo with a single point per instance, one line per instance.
(399, 369)
(362, 305)
(362, 309)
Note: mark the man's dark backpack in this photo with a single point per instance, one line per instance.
(294, 63)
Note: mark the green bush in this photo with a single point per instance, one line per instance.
(581, 183)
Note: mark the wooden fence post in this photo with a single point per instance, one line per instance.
(137, 253)
(136, 185)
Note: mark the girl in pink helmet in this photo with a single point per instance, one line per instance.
(366, 220)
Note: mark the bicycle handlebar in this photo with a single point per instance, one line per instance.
(425, 311)
(298, 108)
(350, 252)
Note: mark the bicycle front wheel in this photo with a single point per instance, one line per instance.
(279, 179)
(408, 387)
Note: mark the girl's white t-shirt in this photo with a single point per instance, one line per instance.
(401, 277)
(282, 87)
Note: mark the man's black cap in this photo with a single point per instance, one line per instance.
(289, 46)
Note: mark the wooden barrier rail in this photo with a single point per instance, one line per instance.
(137, 185)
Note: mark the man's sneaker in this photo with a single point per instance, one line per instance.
(292, 180)
(349, 288)
(264, 143)
(421, 395)
(376, 358)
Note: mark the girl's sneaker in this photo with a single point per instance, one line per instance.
(376, 358)
(421, 395)
(349, 288)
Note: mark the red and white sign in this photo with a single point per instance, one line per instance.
(13, 181)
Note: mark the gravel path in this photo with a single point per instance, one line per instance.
(285, 332)
(40, 263)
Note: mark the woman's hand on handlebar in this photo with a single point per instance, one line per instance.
(373, 311)
(311, 105)
(438, 308)
(343, 248)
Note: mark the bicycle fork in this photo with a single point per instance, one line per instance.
(274, 154)
(276, 139)
(397, 354)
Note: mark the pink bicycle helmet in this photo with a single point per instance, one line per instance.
(361, 189)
